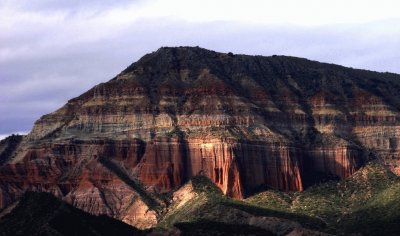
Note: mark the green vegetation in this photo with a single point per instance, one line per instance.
(189, 212)
(206, 196)
(210, 205)
(271, 199)
(206, 227)
(366, 203)
(202, 184)
(306, 221)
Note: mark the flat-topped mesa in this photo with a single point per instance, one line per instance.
(246, 122)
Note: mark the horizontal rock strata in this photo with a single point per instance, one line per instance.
(247, 122)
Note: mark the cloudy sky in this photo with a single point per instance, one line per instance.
(52, 51)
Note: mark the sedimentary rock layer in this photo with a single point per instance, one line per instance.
(246, 122)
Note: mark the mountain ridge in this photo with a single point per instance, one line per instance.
(248, 123)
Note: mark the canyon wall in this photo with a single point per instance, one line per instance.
(247, 122)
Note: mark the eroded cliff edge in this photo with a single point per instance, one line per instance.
(247, 122)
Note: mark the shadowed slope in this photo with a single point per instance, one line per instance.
(43, 214)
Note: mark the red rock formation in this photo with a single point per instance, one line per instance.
(248, 123)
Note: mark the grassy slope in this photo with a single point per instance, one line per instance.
(367, 203)
(207, 194)
(198, 215)
(210, 205)
(206, 227)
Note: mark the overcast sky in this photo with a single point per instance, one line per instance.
(52, 51)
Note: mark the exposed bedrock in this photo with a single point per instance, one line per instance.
(247, 122)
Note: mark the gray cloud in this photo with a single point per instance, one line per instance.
(70, 5)
(44, 65)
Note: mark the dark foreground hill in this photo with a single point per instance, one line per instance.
(43, 214)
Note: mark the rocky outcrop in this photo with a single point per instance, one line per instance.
(246, 122)
(74, 173)
(8, 147)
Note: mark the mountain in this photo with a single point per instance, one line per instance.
(248, 123)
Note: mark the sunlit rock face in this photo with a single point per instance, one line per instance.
(247, 122)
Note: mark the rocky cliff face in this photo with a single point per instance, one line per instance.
(246, 122)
